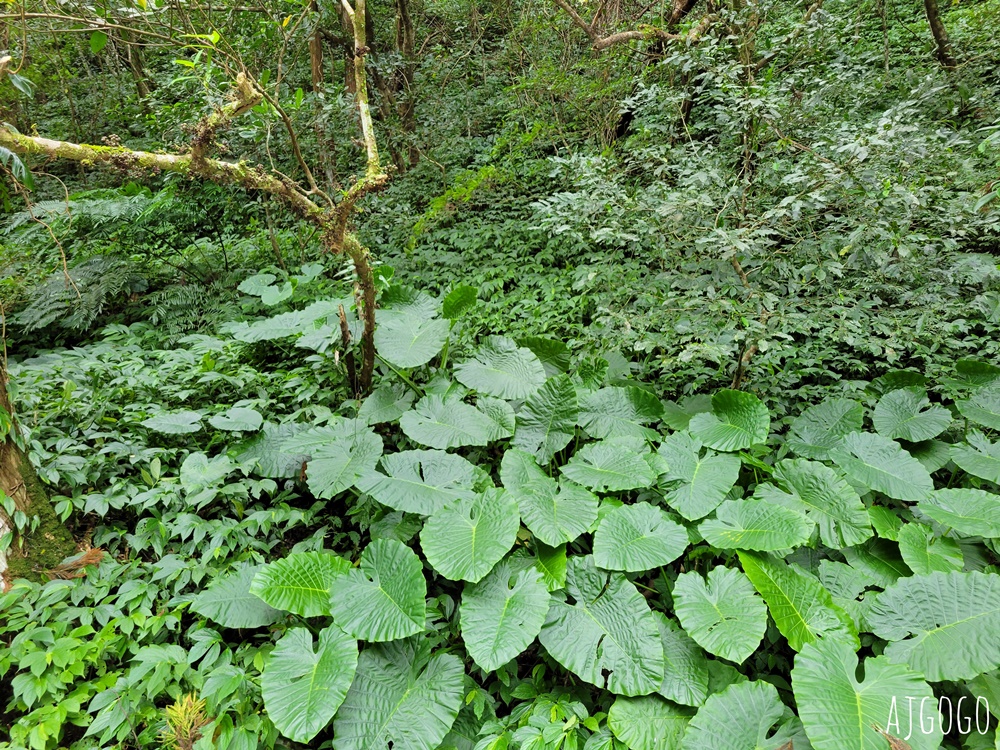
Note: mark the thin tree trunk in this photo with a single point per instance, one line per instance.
(941, 40)
(405, 43)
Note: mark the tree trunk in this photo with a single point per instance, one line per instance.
(50, 542)
(405, 44)
(941, 40)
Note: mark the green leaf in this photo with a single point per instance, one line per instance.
(983, 407)
(879, 559)
(303, 688)
(408, 340)
(756, 525)
(17, 167)
(980, 457)
(608, 634)
(502, 614)
(620, 412)
(841, 712)
(174, 423)
(547, 421)
(704, 480)
(801, 608)
(466, 538)
(555, 513)
(267, 448)
(924, 552)
(459, 300)
(880, 464)
(738, 421)
(503, 369)
(420, 481)
(443, 423)
(648, 722)
(685, 674)
(725, 616)
(608, 465)
(384, 599)
(741, 718)
(227, 600)
(337, 465)
(98, 41)
(824, 496)
(638, 537)
(551, 561)
(818, 430)
(387, 403)
(944, 625)
(554, 355)
(969, 512)
(895, 379)
(401, 696)
(501, 416)
(907, 414)
(300, 583)
(238, 418)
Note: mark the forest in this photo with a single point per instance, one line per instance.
(691, 307)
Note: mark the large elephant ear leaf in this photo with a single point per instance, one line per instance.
(638, 537)
(980, 457)
(446, 422)
(466, 538)
(401, 697)
(801, 608)
(407, 339)
(842, 712)
(697, 484)
(383, 599)
(503, 369)
(907, 414)
(300, 583)
(756, 525)
(983, 407)
(303, 687)
(945, 625)
(685, 673)
(620, 412)
(609, 465)
(607, 630)
(725, 616)
(338, 464)
(742, 717)
(228, 601)
(881, 464)
(420, 481)
(970, 512)
(648, 723)
(737, 421)
(547, 421)
(502, 614)
(819, 428)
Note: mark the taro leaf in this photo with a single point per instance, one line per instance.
(420, 481)
(238, 418)
(554, 355)
(923, 552)
(704, 480)
(255, 285)
(607, 634)
(975, 373)
(302, 687)
(818, 430)
(300, 583)
(337, 465)
(552, 563)
(503, 369)
(446, 422)
(969, 512)
(648, 722)
(201, 476)
(756, 525)
(227, 600)
(174, 423)
(286, 324)
(944, 625)
(685, 673)
(983, 407)
(886, 522)
(502, 614)
(636, 538)
(466, 538)
(824, 496)
(547, 421)
(387, 403)
(879, 559)
(399, 299)
(555, 513)
(620, 412)
(677, 416)
(402, 697)
(879, 463)
(501, 416)
(399, 526)
(980, 457)
(609, 465)
(383, 599)
(267, 448)
(741, 718)
(907, 414)
(894, 380)
(275, 294)
(801, 608)
(840, 712)
(459, 300)
(724, 616)
(409, 340)
(738, 421)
